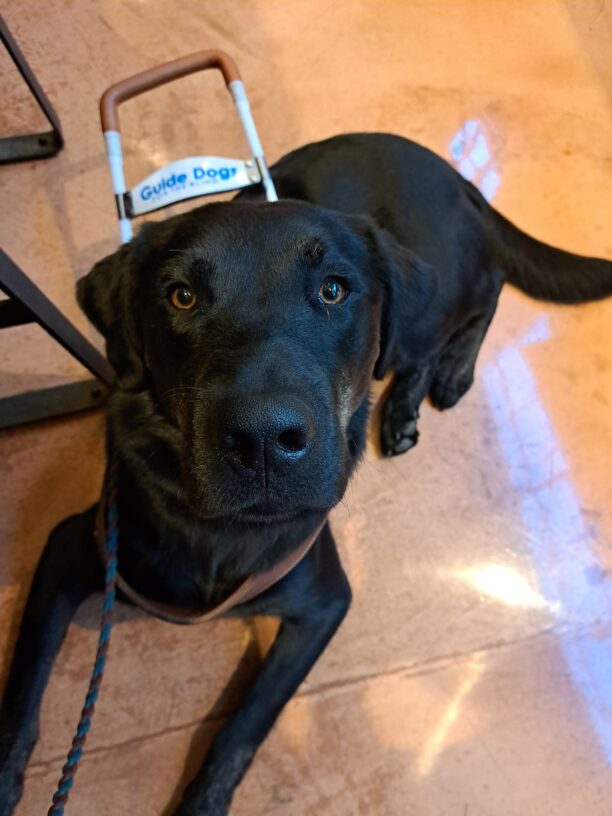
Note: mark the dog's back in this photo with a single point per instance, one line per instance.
(430, 208)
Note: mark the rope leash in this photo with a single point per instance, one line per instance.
(69, 770)
(107, 535)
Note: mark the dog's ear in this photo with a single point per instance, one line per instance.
(108, 296)
(407, 283)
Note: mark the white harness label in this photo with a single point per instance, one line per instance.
(189, 178)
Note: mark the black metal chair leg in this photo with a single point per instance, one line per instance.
(32, 145)
(28, 304)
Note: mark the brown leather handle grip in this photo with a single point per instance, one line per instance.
(147, 80)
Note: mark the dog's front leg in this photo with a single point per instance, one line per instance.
(312, 601)
(67, 573)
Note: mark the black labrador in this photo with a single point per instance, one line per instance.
(245, 336)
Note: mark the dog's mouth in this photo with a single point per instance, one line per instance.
(267, 512)
(254, 506)
(262, 511)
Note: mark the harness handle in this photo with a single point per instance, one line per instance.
(160, 75)
(254, 172)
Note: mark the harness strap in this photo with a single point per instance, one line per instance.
(250, 588)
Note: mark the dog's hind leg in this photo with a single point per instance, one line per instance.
(445, 379)
(454, 372)
(69, 570)
(398, 432)
(311, 600)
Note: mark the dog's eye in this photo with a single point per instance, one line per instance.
(182, 297)
(332, 291)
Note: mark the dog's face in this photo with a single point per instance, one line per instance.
(257, 327)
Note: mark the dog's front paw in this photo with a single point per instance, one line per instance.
(398, 430)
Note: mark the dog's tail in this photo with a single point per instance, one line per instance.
(543, 271)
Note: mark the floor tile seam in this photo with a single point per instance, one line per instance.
(417, 669)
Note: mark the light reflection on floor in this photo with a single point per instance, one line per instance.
(437, 740)
(538, 470)
(555, 529)
(506, 585)
(471, 155)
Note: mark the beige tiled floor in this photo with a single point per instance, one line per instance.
(473, 676)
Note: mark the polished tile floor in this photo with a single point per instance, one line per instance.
(473, 676)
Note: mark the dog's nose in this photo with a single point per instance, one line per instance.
(260, 432)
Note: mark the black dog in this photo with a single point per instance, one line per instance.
(441, 295)
(244, 336)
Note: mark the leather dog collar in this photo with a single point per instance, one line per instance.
(251, 587)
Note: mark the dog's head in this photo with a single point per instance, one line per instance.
(257, 328)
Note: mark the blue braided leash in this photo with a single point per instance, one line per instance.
(69, 770)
